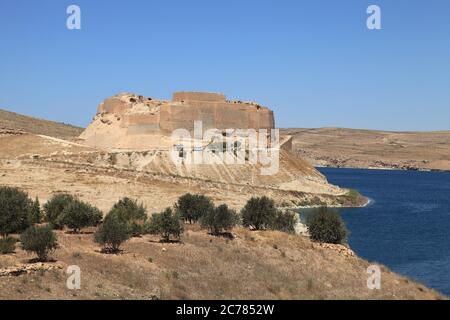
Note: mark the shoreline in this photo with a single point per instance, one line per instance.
(383, 168)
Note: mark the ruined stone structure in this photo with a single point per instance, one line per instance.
(125, 120)
(143, 115)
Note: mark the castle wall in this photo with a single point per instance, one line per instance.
(141, 123)
(112, 105)
(198, 96)
(220, 115)
(163, 117)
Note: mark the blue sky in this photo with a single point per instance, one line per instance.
(313, 62)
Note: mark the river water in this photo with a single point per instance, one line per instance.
(407, 225)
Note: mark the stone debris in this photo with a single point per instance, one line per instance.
(339, 248)
(301, 229)
(28, 269)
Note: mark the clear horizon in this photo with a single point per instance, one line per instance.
(314, 63)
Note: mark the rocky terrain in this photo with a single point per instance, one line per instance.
(351, 148)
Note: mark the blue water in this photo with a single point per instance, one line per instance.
(407, 227)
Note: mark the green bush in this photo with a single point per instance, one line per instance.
(285, 221)
(35, 215)
(220, 219)
(40, 240)
(54, 208)
(15, 207)
(259, 213)
(7, 245)
(166, 224)
(327, 226)
(131, 212)
(112, 233)
(191, 207)
(78, 214)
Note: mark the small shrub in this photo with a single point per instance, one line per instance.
(35, 215)
(55, 207)
(285, 221)
(220, 219)
(353, 194)
(77, 215)
(15, 207)
(259, 213)
(7, 245)
(191, 207)
(112, 233)
(166, 224)
(326, 226)
(131, 212)
(40, 240)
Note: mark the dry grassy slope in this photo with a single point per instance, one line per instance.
(11, 120)
(255, 265)
(337, 147)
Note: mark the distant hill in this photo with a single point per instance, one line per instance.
(15, 121)
(353, 148)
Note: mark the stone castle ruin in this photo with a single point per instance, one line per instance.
(134, 132)
(129, 121)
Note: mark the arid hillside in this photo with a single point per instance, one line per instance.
(13, 121)
(351, 148)
(254, 265)
(43, 166)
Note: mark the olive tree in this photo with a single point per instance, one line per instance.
(259, 213)
(220, 219)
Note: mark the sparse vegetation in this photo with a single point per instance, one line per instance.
(285, 221)
(259, 213)
(7, 245)
(78, 214)
(191, 207)
(55, 207)
(353, 194)
(327, 226)
(131, 212)
(15, 208)
(220, 219)
(40, 240)
(166, 224)
(112, 233)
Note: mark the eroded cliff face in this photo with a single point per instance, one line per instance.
(134, 132)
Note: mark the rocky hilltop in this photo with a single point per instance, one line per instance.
(135, 133)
